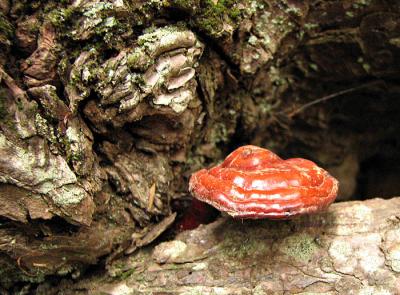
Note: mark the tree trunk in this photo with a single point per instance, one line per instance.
(107, 107)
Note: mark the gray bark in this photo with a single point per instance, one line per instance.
(351, 249)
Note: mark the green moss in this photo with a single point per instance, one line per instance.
(87, 21)
(294, 10)
(211, 16)
(107, 27)
(58, 17)
(126, 274)
(299, 246)
(75, 157)
(6, 32)
(225, 7)
(140, 278)
(133, 59)
(100, 18)
(97, 8)
(248, 249)
(310, 26)
(242, 245)
(235, 13)
(6, 27)
(208, 25)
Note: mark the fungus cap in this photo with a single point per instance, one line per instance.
(253, 182)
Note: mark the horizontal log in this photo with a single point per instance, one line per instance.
(353, 248)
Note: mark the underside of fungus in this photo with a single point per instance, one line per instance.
(255, 183)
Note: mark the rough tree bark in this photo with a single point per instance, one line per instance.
(351, 249)
(106, 107)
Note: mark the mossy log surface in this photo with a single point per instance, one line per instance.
(107, 107)
(351, 249)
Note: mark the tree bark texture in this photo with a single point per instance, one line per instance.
(106, 108)
(354, 248)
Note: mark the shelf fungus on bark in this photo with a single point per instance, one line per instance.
(253, 182)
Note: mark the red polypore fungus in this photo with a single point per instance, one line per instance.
(255, 183)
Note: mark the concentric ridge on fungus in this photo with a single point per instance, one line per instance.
(255, 183)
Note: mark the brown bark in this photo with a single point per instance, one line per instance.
(351, 249)
(106, 108)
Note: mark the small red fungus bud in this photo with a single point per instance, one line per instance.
(197, 213)
(255, 183)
